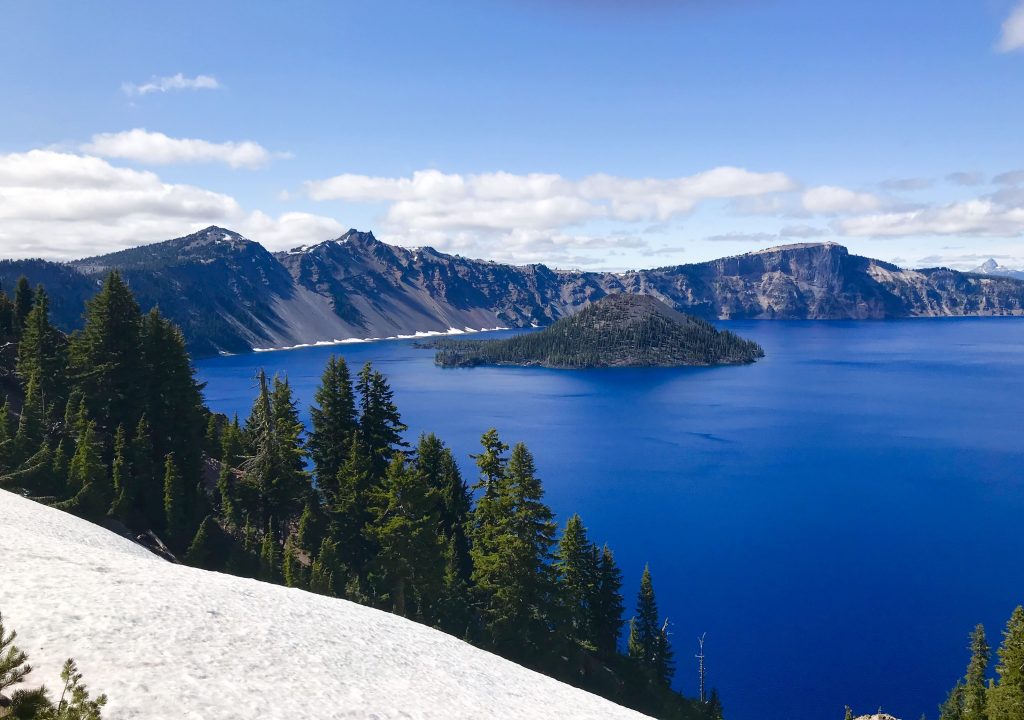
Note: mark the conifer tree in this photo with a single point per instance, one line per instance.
(325, 575)
(351, 513)
(146, 481)
(32, 423)
(454, 611)
(974, 681)
(7, 431)
(437, 465)
(270, 560)
(175, 505)
(42, 353)
(104, 357)
(88, 478)
(715, 710)
(648, 641)
(312, 525)
(333, 416)
(576, 567)
(59, 469)
(379, 420)
(1005, 701)
(203, 551)
(24, 298)
(606, 605)
(293, 486)
(212, 441)
(125, 490)
(404, 526)
(6, 315)
(292, 570)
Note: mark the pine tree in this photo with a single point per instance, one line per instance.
(379, 420)
(203, 552)
(351, 513)
(175, 505)
(125, 490)
(292, 569)
(454, 611)
(606, 606)
(104, 357)
(576, 567)
(716, 712)
(293, 486)
(42, 353)
(333, 416)
(1005, 701)
(974, 681)
(32, 423)
(513, 534)
(404, 526)
(312, 525)
(270, 560)
(6, 315)
(325, 575)
(147, 482)
(24, 299)
(437, 465)
(14, 667)
(649, 646)
(88, 478)
(7, 431)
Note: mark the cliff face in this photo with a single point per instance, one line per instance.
(230, 294)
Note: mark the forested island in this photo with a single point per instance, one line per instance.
(617, 331)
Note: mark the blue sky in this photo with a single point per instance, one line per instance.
(581, 133)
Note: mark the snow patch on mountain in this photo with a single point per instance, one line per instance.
(168, 641)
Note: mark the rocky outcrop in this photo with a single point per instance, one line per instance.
(229, 294)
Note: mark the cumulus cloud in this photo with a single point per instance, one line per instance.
(832, 200)
(1012, 37)
(62, 205)
(156, 148)
(169, 83)
(432, 200)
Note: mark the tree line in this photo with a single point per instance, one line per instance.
(109, 423)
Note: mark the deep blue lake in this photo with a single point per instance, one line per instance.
(836, 517)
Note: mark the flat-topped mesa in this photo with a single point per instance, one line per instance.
(617, 331)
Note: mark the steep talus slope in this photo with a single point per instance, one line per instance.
(230, 294)
(168, 641)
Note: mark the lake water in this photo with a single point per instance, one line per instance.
(836, 517)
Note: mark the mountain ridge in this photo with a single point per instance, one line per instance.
(229, 294)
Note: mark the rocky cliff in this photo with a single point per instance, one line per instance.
(229, 294)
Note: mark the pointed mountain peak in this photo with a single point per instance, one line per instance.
(989, 266)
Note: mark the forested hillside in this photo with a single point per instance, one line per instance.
(110, 424)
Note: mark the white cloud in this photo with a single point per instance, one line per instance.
(1014, 177)
(966, 177)
(172, 82)
(832, 200)
(61, 205)
(802, 231)
(982, 217)
(432, 200)
(1012, 37)
(158, 149)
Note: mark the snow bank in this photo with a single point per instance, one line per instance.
(167, 641)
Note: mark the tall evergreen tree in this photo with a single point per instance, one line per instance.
(974, 681)
(1006, 700)
(326, 577)
(379, 420)
(6, 315)
(204, 550)
(88, 478)
(24, 298)
(125, 490)
(333, 416)
(270, 560)
(606, 605)
(405, 511)
(576, 566)
(437, 465)
(291, 568)
(648, 641)
(105, 360)
(350, 514)
(147, 480)
(42, 353)
(176, 515)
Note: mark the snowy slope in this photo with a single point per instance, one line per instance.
(166, 641)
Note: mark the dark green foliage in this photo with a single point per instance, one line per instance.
(974, 681)
(176, 525)
(334, 422)
(312, 525)
(326, 575)
(616, 331)
(404, 517)
(606, 605)
(576, 565)
(437, 465)
(292, 570)
(42, 353)
(350, 514)
(24, 298)
(648, 639)
(379, 420)
(105, 358)
(1006, 699)
(207, 548)
(270, 560)
(88, 478)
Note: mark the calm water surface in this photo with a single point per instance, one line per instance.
(836, 517)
